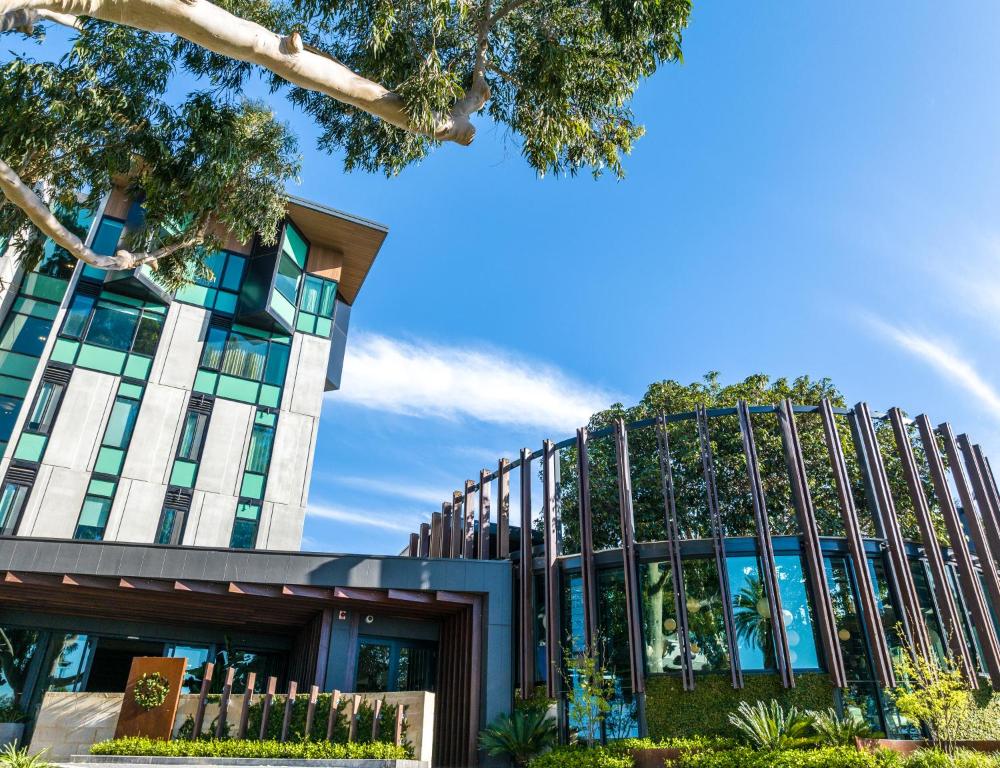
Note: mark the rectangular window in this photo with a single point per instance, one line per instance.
(77, 316)
(259, 455)
(192, 436)
(25, 334)
(46, 404)
(113, 326)
(244, 356)
(287, 279)
(93, 518)
(245, 526)
(171, 526)
(9, 408)
(12, 499)
(121, 422)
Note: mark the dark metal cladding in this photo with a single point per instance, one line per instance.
(932, 550)
(436, 534)
(897, 561)
(972, 588)
(971, 518)
(769, 572)
(629, 559)
(503, 509)
(469, 505)
(553, 633)
(868, 608)
(425, 539)
(980, 487)
(673, 545)
(446, 526)
(718, 546)
(588, 573)
(484, 516)
(457, 524)
(527, 584)
(826, 619)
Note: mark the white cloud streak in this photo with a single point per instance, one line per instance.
(419, 378)
(363, 517)
(945, 359)
(394, 488)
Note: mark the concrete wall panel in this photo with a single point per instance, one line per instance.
(136, 511)
(214, 525)
(151, 453)
(288, 473)
(180, 347)
(225, 447)
(79, 427)
(61, 501)
(284, 531)
(304, 383)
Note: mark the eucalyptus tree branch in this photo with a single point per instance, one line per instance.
(24, 197)
(25, 20)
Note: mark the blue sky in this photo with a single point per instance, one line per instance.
(817, 193)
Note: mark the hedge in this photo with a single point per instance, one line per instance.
(673, 712)
(828, 757)
(308, 750)
(983, 724)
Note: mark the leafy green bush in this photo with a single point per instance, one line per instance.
(962, 758)
(688, 744)
(10, 712)
(832, 730)
(824, 757)
(578, 756)
(301, 750)
(12, 756)
(521, 735)
(770, 726)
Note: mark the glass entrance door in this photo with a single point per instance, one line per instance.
(390, 664)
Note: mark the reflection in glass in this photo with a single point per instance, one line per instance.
(44, 410)
(69, 668)
(861, 702)
(923, 585)
(731, 481)
(659, 622)
(622, 720)
(751, 614)
(373, 667)
(17, 650)
(195, 657)
(850, 634)
(709, 650)
(886, 605)
(797, 611)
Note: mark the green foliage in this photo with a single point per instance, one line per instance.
(577, 756)
(674, 712)
(826, 757)
(297, 724)
(538, 701)
(12, 756)
(10, 712)
(961, 758)
(982, 721)
(151, 690)
(307, 750)
(832, 730)
(590, 690)
(770, 726)
(519, 736)
(934, 692)
(688, 744)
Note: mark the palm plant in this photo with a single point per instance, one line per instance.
(752, 627)
(770, 726)
(520, 736)
(832, 730)
(13, 757)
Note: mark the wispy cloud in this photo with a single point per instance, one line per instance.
(945, 358)
(364, 517)
(420, 378)
(393, 488)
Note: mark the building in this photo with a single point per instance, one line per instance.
(157, 451)
(788, 551)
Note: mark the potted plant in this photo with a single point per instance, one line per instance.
(11, 722)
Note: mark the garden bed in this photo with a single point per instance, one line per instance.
(124, 761)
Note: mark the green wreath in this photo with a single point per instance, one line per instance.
(151, 690)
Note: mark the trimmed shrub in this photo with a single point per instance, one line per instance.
(827, 757)
(689, 744)
(576, 756)
(303, 750)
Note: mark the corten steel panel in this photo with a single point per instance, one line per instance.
(527, 583)
(718, 545)
(484, 516)
(826, 619)
(503, 509)
(156, 723)
(436, 534)
(446, 528)
(899, 565)
(469, 505)
(553, 639)
(588, 574)
(932, 551)
(457, 525)
(769, 573)
(984, 501)
(674, 548)
(868, 608)
(629, 561)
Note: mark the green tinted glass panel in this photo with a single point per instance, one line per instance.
(106, 240)
(247, 511)
(43, 286)
(265, 418)
(312, 294)
(147, 335)
(283, 308)
(295, 246)
(237, 389)
(215, 342)
(120, 423)
(95, 512)
(21, 366)
(205, 381)
(104, 488)
(269, 396)
(225, 302)
(329, 298)
(100, 359)
(183, 473)
(323, 327)
(277, 364)
(109, 461)
(234, 273)
(93, 272)
(15, 387)
(30, 447)
(306, 323)
(216, 262)
(113, 325)
(253, 486)
(246, 330)
(130, 390)
(138, 366)
(244, 534)
(36, 308)
(77, 316)
(65, 351)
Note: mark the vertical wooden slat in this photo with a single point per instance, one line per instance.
(718, 545)
(206, 684)
(352, 733)
(414, 549)
(247, 703)
(968, 581)
(503, 509)
(436, 534)
(469, 505)
(398, 731)
(331, 718)
(527, 583)
(899, 564)
(553, 632)
(474, 622)
(425, 540)
(446, 527)
(932, 551)
(484, 516)
(989, 516)
(457, 525)
(826, 619)
(311, 710)
(588, 571)
(265, 707)
(293, 689)
(672, 530)
(868, 608)
(323, 651)
(630, 565)
(376, 713)
(227, 692)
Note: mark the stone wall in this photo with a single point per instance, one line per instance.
(69, 723)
